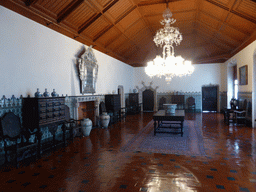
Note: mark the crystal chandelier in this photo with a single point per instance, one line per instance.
(168, 66)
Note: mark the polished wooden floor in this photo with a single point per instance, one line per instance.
(95, 163)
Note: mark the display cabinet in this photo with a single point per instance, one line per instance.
(43, 112)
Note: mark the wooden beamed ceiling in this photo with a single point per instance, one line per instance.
(213, 30)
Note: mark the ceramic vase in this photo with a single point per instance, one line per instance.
(37, 93)
(54, 94)
(86, 126)
(46, 94)
(104, 119)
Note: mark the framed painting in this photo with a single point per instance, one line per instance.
(243, 75)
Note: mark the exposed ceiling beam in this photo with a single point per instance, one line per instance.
(215, 30)
(173, 13)
(110, 5)
(125, 14)
(198, 3)
(114, 24)
(145, 21)
(215, 40)
(88, 23)
(224, 23)
(102, 32)
(244, 16)
(232, 11)
(95, 17)
(248, 41)
(150, 2)
(30, 2)
(223, 57)
(69, 9)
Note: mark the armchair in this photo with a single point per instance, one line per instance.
(13, 136)
(191, 103)
(72, 125)
(240, 114)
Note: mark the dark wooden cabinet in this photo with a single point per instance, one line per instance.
(43, 112)
(113, 106)
(133, 99)
(112, 103)
(133, 104)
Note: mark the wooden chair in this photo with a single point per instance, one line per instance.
(72, 125)
(102, 107)
(240, 114)
(248, 115)
(191, 103)
(162, 101)
(13, 135)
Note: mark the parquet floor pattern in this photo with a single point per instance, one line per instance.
(95, 163)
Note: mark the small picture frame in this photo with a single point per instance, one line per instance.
(243, 75)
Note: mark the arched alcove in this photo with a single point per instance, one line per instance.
(148, 88)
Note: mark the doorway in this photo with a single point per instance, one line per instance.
(209, 98)
(148, 100)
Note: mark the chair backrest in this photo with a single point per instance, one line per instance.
(249, 110)
(161, 102)
(191, 101)
(67, 113)
(102, 107)
(245, 104)
(10, 125)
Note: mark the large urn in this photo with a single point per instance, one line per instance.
(170, 108)
(104, 119)
(86, 126)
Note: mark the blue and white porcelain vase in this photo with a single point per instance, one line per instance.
(104, 119)
(86, 126)
(46, 94)
(54, 94)
(37, 93)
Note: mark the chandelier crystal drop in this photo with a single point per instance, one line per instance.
(168, 66)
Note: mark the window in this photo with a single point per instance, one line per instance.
(236, 89)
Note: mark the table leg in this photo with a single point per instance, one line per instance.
(181, 128)
(154, 127)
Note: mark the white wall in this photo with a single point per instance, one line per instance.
(33, 56)
(204, 74)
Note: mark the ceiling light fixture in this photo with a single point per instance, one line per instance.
(168, 66)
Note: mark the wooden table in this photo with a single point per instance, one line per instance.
(164, 120)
